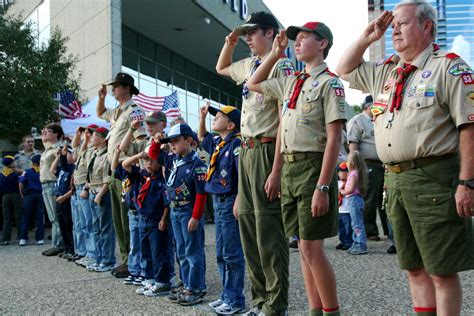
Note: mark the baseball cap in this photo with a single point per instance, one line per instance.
(315, 27)
(342, 167)
(256, 19)
(36, 159)
(102, 131)
(8, 160)
(92, 127)
(155, 116)
(368, 101)
(231, 112)
(180, 129)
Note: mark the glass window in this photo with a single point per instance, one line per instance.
(146, 47)
(191, 69)
(178, 63)
(182, 101)
(129, 59)
(192, 85)
(203, 90)
(193, 121)
(203, 75)
(179, 80)
(147, 67)
(215, 95)
(129, 39)
(163, 55)
(164, 74)
(163, 89)
(147, 87)
(193, 105)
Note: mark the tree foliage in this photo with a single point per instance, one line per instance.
(30, 76)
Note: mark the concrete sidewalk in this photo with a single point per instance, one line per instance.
(32, 284)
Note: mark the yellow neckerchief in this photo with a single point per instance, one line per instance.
(6, 171)
(36, 168)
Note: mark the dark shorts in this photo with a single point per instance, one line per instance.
(298, 182)
(427, 229)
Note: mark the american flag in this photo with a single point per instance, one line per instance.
(169, 104)
(69, 107)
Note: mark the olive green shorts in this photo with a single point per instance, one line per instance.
(298, 182)
(428, 231)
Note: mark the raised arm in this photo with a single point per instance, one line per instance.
(225, 57)
(130, 161)
(100, 109)
(353, 56)
(202, 121)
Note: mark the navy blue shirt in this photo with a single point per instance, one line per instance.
(224, 179)
(155, 201)
(190, 178)
(9, 183)
(129, 189)
(64, 174)
(31, 182)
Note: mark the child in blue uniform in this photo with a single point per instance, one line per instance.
(11, 200)
(152, 205)
(63, 167)
(185, 175)
(221, 182)
(30, 191)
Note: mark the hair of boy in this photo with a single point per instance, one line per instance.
(56, 129)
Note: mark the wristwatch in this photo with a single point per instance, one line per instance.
(323, 188)
(468, 183)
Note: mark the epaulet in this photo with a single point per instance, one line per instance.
(391, 59)
(440, 53)
(329, 72)
(452, 56)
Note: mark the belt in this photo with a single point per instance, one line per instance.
(373, 161)
(416, 163)
(175, 204)
(255, 142)
(299, 156)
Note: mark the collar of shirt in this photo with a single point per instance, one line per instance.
(189, 157)
(101, 151)
(316, 71)
(49, 145)
(367, 116)
(421, 60)
(228, 137)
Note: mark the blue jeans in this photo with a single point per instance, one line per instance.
(345, 229)
(78, 223)
(154, 248)
(355, 205)
(136, 265)
(90, 244)
(190, 249)
(229, 253)
(103, 232)
(32, 203)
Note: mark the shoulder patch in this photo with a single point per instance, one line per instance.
(460, 69)
(137, 114)
(199, 170)
(335, 83)
(452, 56)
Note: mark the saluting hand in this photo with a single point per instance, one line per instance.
(102, 91)
(376, 29)
(204, 110)
(279, 43)
(232, 39)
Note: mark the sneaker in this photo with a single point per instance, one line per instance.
(159, 289)
(357, 249)
(121, 271)
(129, 280)
(147, 285)
(22, 242)
(339, 247)
(40, 242)
(392, 250)
(85, 262)
(4, 243)
(103, 267)
(52, 252)
(216, 304)
(67, 256)
(175, 284)
(91, 267)
(75, 258)
(226, 309)
(138, 280)
(254, 311)
(176, 294)
(190, 298)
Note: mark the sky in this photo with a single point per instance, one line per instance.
(346, 19)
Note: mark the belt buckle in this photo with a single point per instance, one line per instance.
(290, 158)
(395, 168)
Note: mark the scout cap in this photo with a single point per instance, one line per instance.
(92, 127)
(125, 80)
(342, 167)
(180, 129)
(368, 101)
(36, 159)
(155, 116)
(231, 112)
(102, 131)
(8, 160)
(257, 19)
(313, 27)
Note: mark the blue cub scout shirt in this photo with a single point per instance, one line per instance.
(9, 184)
(64, 175)
(189, 173)
(31, 182)
(224, 179)
(129, 189)
(155, 201)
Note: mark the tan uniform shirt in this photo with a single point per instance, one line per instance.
(438, 98)
(360, 130)
(120, 119)
(47, 159)
(80, 174)
(320, 102)
(259, 111)
(138, 146)
(98, 168)
(23, 159)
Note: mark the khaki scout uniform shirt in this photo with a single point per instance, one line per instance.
(321, 101)
(438, 98)
(47, 159)
(98, 169)
(138, 146)
(259, 111)
(120, 119)
(360, 130)
(80, 174)
(23, 159)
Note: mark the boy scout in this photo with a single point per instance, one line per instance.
(23, 158)
(11, 200)
(311, 125)
(221, 182)
(51, 136)
(263, 240)
(123, 87)
(98, 169)
(423, 125)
